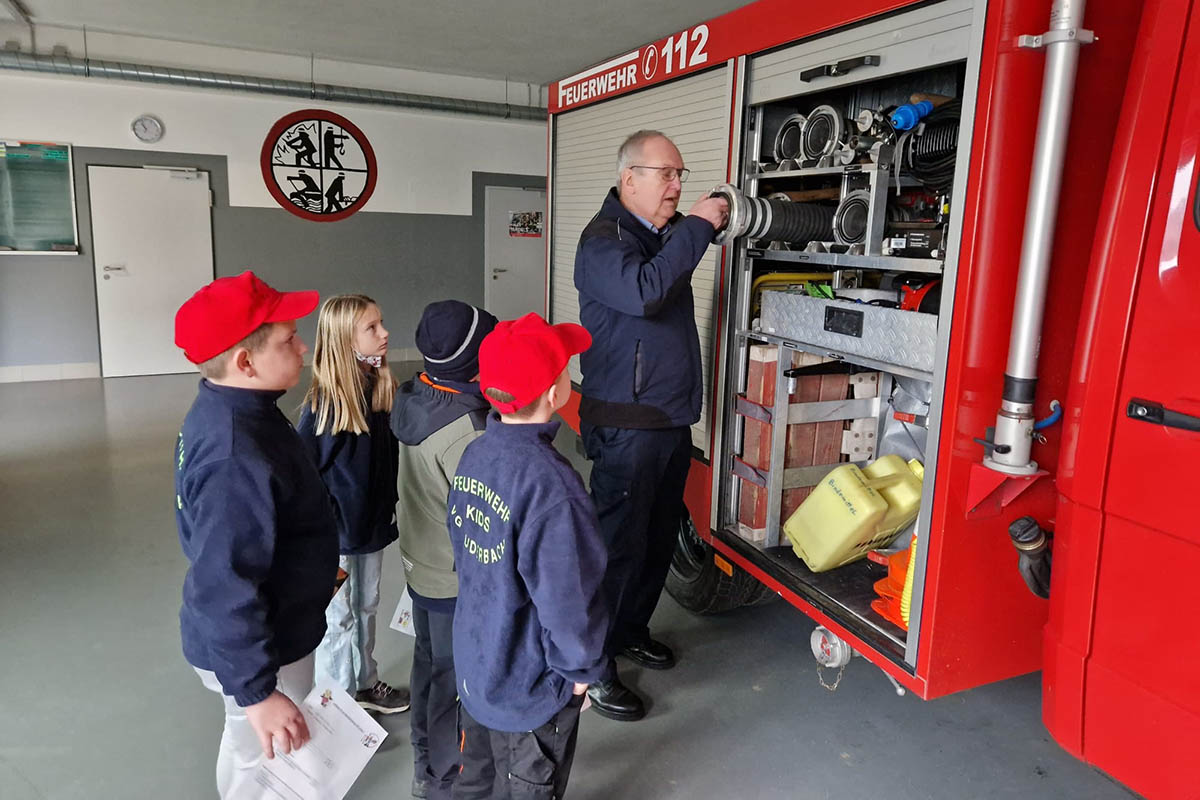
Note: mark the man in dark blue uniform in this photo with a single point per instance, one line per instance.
(641, 388)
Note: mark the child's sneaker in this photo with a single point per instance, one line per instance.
(383, 698)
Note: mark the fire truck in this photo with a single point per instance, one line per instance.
(963, 233)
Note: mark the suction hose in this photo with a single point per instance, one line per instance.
(1034, 547)
(773, 220)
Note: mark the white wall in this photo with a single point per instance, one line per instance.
(425, 159)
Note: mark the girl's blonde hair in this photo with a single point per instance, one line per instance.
(336, 395)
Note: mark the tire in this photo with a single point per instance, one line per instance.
(700, 586)
(759, 594)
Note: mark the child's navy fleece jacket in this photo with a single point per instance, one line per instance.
(257, 527)
(359, 470)
(531, 618)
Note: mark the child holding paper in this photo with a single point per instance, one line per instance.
(254, 520)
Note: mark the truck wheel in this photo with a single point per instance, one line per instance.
(759, 594)
(698, 584)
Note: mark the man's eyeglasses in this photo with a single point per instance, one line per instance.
(667, 174)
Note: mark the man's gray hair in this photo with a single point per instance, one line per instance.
(631, 149)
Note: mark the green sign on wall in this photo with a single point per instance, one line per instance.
(37, 205)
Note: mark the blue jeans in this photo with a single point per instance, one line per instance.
(347, 653)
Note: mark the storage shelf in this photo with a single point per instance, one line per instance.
(853, 169)
(806, 172)
(928, 266)
(844, 594)
(882, 366)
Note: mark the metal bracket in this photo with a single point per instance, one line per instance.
(990, 492)
(753, 410)
(833, 410)
(1080, 35)
(746, 472)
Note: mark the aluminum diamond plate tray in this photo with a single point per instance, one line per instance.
(904, 338)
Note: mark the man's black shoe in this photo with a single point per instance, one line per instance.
(650, 654)
(615, 700)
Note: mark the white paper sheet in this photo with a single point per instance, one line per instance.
(402, 620)
(344, 737)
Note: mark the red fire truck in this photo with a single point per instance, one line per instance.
(966, 233)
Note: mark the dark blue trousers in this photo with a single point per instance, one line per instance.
(637, 483)
(434, 713)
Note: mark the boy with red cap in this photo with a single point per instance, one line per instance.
(254, 519)
(530, 622)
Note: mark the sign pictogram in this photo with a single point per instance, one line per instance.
(318, 165)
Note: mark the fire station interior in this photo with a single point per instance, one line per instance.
(843, 200)
(846, 211)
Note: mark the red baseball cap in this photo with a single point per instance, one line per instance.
(525, 356)
(228, 310)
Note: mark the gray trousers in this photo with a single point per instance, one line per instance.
(240, 753)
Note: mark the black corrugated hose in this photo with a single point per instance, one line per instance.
(929, 156)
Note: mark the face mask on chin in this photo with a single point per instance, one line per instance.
(374, 361)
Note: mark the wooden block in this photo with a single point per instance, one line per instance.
(756, 436)
(807, 443)
(828, 446)
(760, 374)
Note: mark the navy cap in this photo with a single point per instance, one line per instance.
(448, 337)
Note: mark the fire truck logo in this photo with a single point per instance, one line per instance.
(318, 165)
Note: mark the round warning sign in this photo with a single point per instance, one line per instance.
(318, 165)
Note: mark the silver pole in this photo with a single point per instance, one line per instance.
(1014, 423)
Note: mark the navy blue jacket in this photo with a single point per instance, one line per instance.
(257, 528)
(359, 470)
(635, 297)
(531, 619)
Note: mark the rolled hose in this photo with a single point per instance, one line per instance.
(773, 220)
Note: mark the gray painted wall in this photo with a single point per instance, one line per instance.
(404, 261)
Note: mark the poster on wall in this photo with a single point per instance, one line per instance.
(525, 224)
(37, 198)
(318, 165)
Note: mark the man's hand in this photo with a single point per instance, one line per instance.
(277, 718)
(581, 688)
(713, 209)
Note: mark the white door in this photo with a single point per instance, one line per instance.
(514, 251)
(152, 247)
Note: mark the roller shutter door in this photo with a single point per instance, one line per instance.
(694, 112)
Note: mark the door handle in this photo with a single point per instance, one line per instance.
(498, 271)
(840, 68)
(114, 268)
(1150, 411)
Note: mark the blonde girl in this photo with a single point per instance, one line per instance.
(344, 423)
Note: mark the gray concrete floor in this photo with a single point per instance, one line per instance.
(97, 701)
